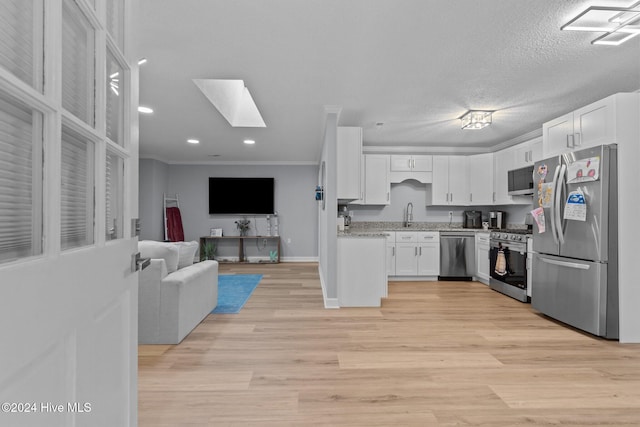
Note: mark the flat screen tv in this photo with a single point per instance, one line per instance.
(241, 196)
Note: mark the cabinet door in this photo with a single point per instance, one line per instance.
(458, 190)
(406, 259)
(482, 257)
(480, 179)
(501, 161)
(391, 259)
(429, 259)
(556, 135)
(377, 188)
(521, 153)
(422, 163)
(440, 184)
(536, 151)
(400, 163)
(594, 125)
(349, 149)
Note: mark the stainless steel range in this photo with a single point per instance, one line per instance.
(508, 263)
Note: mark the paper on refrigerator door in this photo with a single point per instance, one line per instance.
(576, 207)
(538, 217)
(583, 170)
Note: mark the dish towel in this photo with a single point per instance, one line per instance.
(501, 263)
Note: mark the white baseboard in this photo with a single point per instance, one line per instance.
(413, 278)
(299, 259)
(328, 302)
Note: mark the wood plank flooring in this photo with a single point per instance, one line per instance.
(435, 354)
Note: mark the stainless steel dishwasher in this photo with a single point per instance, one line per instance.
(457, 255)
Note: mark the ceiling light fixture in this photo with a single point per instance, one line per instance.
(618, 24)
(476, 119)
(249, 141)
(145, 110)
(193, 141)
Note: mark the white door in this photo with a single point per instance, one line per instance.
(406, 259)
(68, 191)
(422, 163)
(401, 163)
(480, 177)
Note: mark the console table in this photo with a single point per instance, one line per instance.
(241, 239)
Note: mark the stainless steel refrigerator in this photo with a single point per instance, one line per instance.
(575, 267)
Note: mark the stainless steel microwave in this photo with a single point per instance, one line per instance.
(520, 181)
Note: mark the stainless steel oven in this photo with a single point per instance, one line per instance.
(508, 263)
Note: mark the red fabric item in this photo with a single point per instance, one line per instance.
(175, 233)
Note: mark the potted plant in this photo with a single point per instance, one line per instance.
(208, 251)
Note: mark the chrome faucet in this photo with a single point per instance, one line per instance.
(409, 215)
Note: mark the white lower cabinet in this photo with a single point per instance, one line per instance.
(391, 253)
(428, 254)
(417, 253)
(362, 279)
(482, 257)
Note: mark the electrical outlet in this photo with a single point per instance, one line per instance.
(288, 239)
(264, 242)
(450, 214)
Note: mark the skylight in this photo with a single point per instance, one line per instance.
(233, 100)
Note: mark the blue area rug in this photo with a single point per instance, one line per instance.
(234, 290)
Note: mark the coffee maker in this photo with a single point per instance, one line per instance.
(497, 219)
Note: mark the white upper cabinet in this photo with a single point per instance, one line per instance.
(480, 179)
(449, 185)
(403, 163)
(416, 167)
(527, 153)
(349, 152)
(503, 161)
(377, 188)
(595, 124)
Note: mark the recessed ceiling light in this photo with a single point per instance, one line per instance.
(193, 141)
(142, 61)
(249, 141)
(145, 110)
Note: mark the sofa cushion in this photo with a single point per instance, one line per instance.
(160, 250)
(186, 253)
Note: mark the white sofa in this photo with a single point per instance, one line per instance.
(174, 294)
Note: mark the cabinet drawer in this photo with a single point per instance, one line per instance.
(406, 236)
(428, 237)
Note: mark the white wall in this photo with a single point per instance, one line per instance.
(327, 232)
(153, 182)
(415, 192)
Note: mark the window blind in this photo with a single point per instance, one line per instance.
(78, 59)
(114, 195)
(20, 180)
(77, 191)
(21, 39)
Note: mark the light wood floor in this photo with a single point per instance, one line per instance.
(436, 353)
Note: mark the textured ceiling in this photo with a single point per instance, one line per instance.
(415, 65)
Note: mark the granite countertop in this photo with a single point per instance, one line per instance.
(371, 229)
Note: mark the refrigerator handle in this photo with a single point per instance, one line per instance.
(558, 203)
(568, 264)
(552, 210)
